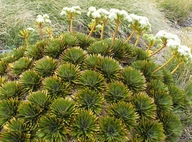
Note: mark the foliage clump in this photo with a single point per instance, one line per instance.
(74, 92)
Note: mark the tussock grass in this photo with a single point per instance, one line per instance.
(19, 14)
(176, 10)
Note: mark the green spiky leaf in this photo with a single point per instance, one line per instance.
(133, 79)
(84, 126)
(117, 91)
(111, 130)
(34, 52)
(91, 80)
(68, 72)
(73, 55)
(11, 89)
(88, 99)
(46, 66)
(125, 112)
(53, 49)
(99, 48)
(150, 131)
(30, 80)
(21, 65)
(145, 106)
(63, 108)
(8, 110)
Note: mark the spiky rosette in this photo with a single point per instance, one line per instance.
(68, 72)
(3, 67)
(147, 68)
(73, 55)
(172, 126)
(53, 48)
(88, 99)
(151, 131)
(145, 106)
(125, 112)
(11, 89)
(30, 80)
(83, 41)
(111, 129)
(133, 79)
(99, 47)
(21, 65)
(52, 129)
(34, 51)
(8, 110)
(45, 66)
(92, 80)
(178, 97)
(117, 91)
(84, 126)
(55, 87)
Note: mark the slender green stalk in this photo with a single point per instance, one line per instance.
(130, 36)
(115, 33)
(41, 31)
(26, 41)
(138, 37)
(92, 29)
(164, 63)
(102, 30)
(71, 23)
(173, 71)
(155, 52)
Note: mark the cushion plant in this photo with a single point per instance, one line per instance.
(77, 88)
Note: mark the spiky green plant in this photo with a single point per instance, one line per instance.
(73, 55)
(111, 129)
(30, 80)
(46, 66)
(145, 106)
(150, 131)
(74, 92)
(52, 129)
(54, 48)
(125, 112)
(3, 67)
(88, 99)
(54, 86)
(68, 72)
(34, 51)
(84, 126)
(21, 65)
(92, 80)
(117, 91)
(63, 108)
(99, 48)
(109, 68)
(133, 79)
(8, 110)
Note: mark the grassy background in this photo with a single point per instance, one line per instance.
(18, 14)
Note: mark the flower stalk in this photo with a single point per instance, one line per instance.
(138, 37)
(130, 36)
(155, 52)
(92, 29)
(173, 71)
(159, 68)
(115, 33)
(71, 23)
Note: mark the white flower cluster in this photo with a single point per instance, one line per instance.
(140, 23)
(43, 19)
(100, 13)
(173, 42)
(116, 14)
(30, 29)
(185, 52)
(71, 10)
